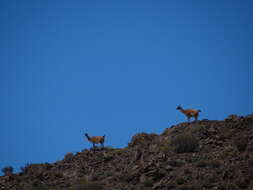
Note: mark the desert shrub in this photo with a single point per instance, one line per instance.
(68, 157)
(242, 183)
(197, 129)
(175, 163)
(188, 187)
(8, 170)
(164, 146)
(229, 186)
(25, 168)
(180, 180)
(201, 163)
(187, 171)
(241, 143)
(114, 153)
(214, 163)
(225, 132)
(185, 143)
(207, 184)
(211, 178)
(36, 169)
(229, 151)
(250, 161)
(84, 184)
(224, 155)
(36, 184)
(127, 176)
(171, 185)
(119, 151)
(148, 182)
(208, 163)
(40, 187)
(88, 186)
(58, 175)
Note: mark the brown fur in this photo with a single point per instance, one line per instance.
(96, 139)
(189, 113)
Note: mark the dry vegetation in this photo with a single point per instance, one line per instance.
(189, 156)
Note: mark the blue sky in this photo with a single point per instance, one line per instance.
(116, 68)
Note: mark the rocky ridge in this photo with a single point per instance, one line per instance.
(199, 155)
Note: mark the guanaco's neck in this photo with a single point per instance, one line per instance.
(87, 136)
(182, 110)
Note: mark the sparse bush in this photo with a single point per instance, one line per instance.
(214, 164)
(185, 143)
(84, 184)
(212, 178)
(208, 163)
(25, 168)
(197, 129)
(225, 132)
(36, 184)
(171, 185)
(224, 155)
(176, 163)
(230, 186)
(148, 182)
(242, 183)
(180, 180)
(250, 161)
(88, 186)
(187, 171)
(68, 157)
(188, 187)
(113, 153)
(241, 143)
(59, 175)
(164, 146)
(126, 176)
(201, 163)
(40, 187)
(8, 170)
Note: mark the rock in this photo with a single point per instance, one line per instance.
(150, 162)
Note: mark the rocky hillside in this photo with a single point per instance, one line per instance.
(203, 155)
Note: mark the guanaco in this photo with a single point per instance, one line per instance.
(189, 113)
(96, 140)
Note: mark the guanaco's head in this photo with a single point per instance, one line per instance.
(86, 135)
(179, 107)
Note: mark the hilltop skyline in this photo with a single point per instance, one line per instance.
(116, 69)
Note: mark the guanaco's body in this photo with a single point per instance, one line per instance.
(189, 113)
(96, 140)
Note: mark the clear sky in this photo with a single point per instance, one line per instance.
(116, 68)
